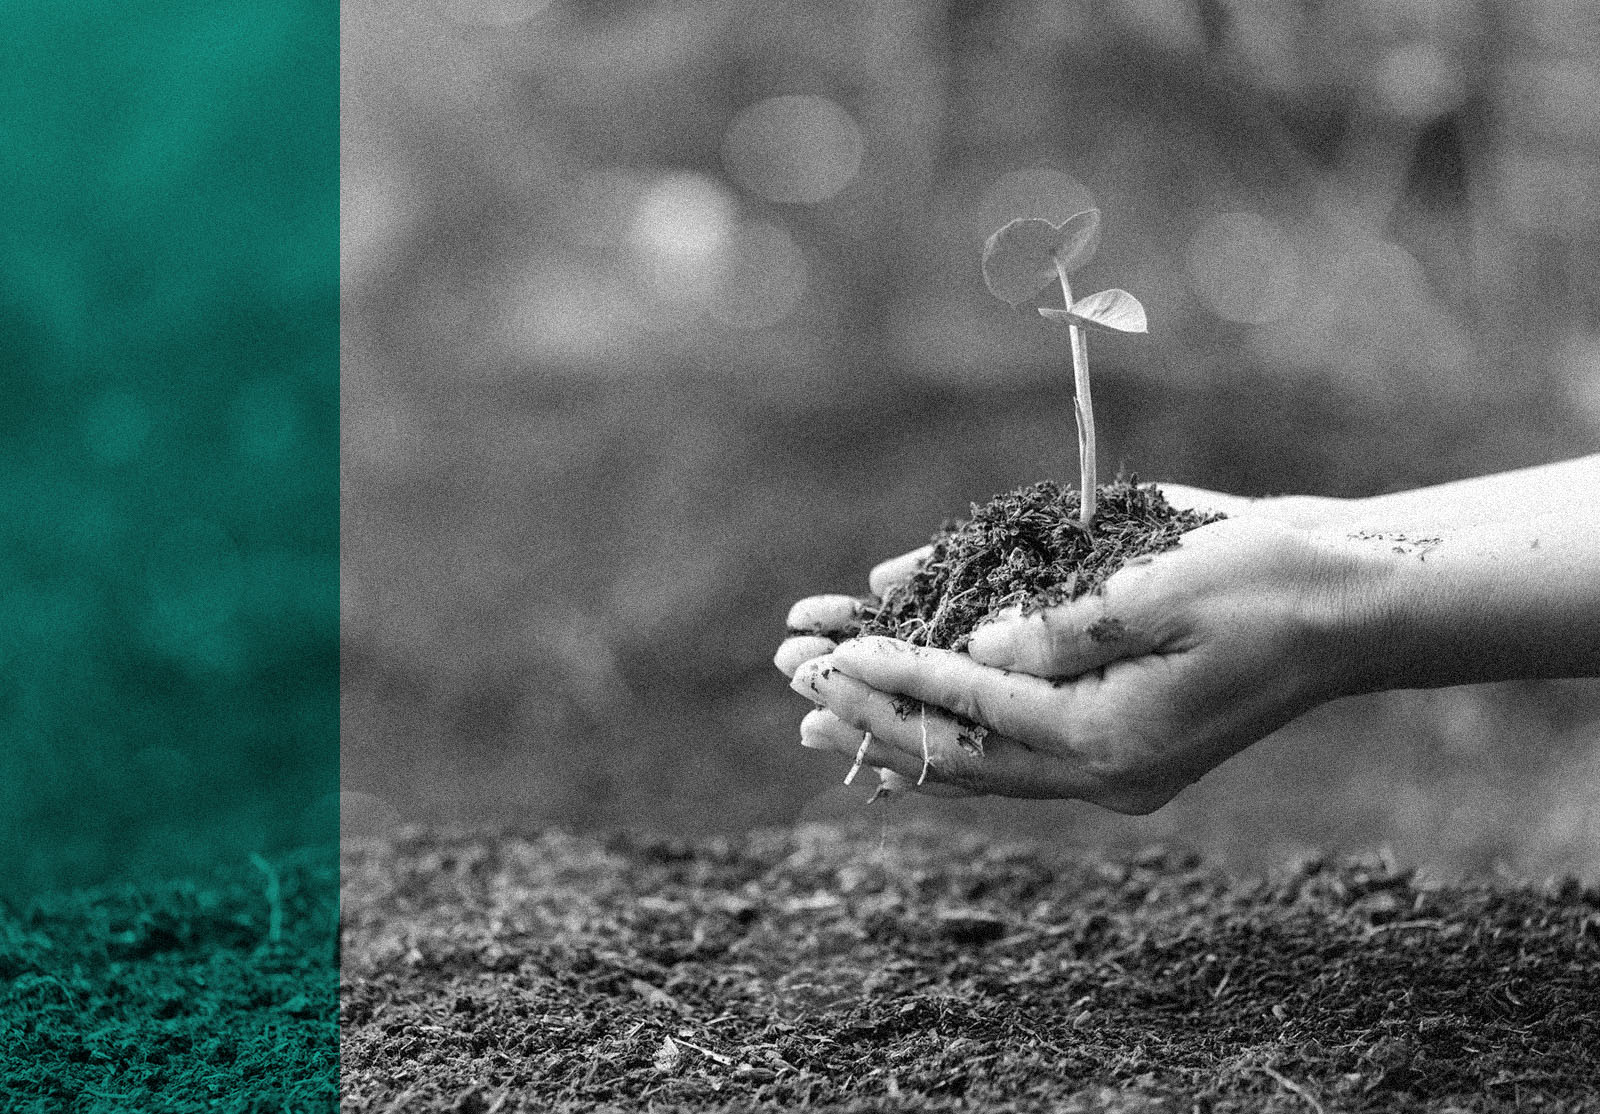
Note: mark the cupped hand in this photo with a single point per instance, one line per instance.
(1121, 697)
(816, 625)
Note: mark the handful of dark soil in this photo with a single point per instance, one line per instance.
(1024, 547)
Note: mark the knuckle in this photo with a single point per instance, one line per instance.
(954, 766)
(1059, 639)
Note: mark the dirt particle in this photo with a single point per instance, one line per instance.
(971, 740)
(1107, 629)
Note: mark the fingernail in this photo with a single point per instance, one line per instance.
(994, 643)
(820, 730)
(823, 613)
(817, 738)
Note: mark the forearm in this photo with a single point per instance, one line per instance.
(1484, 602)
(1500, 497)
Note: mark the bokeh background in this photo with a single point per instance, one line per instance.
(659, 315)
(168, 438)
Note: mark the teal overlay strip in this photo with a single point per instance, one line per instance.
(168, 554)
(168, 436)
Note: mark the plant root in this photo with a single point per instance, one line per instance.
(861, 757)
(927, 760)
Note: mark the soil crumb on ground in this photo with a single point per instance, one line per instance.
(1024, 547)
(175, 996)
(915, 969)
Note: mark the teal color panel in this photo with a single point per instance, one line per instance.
(168, 553)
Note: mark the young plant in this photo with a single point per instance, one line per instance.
(1019, 262)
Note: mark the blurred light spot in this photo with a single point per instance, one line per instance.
(1169, 24)
(1367, 315)
(682, 228)
(1419, 82)
(266, 421)
(793, 148)
(116, 426)
(1578, 371)
(1035, 192)
(765, 278)
(1244, 268)
(492, 13)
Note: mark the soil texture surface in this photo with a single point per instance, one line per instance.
(890, 967)
(214, 994)
(1024, 547)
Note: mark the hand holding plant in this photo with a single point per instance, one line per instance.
(1120, 698)
(1124, 696)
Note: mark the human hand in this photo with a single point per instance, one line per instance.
(824, 620)
(1122, 697)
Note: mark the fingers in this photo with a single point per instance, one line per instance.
(800, 648)
(1064, 641)
(822, 730)
(911, 736)
(1145, 607)
(864, 708)
(1012, 704)
(897, 570)
(828, 614)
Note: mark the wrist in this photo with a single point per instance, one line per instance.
(1451, 605)
(1344, 615)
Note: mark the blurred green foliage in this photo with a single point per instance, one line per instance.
(659, 315)
(168, 437)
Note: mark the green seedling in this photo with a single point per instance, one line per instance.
(1025, 257)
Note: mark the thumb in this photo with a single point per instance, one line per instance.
(1119, 620)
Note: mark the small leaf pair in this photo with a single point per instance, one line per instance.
(1028, 254)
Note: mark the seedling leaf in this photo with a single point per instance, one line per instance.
(1020, 259)
(1080, 236)
(1116, 310)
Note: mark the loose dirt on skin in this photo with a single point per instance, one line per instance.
(910, 969)
(215, 994)
(1026, 548)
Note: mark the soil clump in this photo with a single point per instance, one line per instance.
(1025, 547)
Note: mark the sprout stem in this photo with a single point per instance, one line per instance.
(1082, 410)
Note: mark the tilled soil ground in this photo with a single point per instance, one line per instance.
(890, 968)
(208, 994)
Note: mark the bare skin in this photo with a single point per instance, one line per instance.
(1125, 697)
